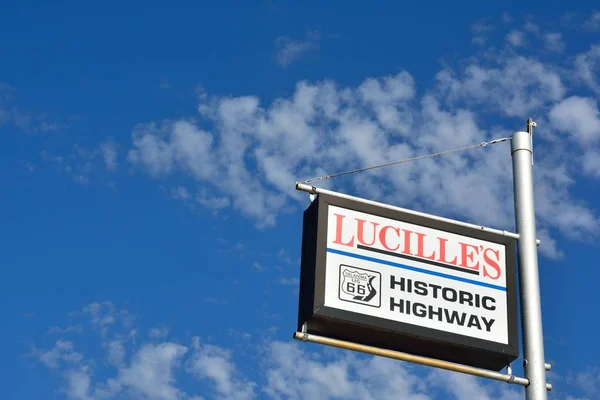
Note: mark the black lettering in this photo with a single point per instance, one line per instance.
(438, 313)
(474, 321)
(466, 298)
(435, 290)
(451, 298)
(477, 301)
(488, 324)
(394, 282)
(393, 305)
(485, 299)
(455, 317)
(420, 288)
(419, 310)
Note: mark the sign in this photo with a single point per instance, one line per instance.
(380, 277)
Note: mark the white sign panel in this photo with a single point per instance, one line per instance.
(416, 275)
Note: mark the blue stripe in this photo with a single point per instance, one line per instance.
(415, 269)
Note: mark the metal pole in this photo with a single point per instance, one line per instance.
(531, 311)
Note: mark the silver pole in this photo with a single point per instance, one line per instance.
(531, 311)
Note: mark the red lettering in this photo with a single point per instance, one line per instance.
(407, 234)
(360, 235)
(491, 263)
(443, 252)
(466, 256)
(338, 231)
(421, 245)
(383, 239)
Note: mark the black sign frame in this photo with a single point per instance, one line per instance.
(315, 318)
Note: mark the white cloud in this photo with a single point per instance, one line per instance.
(283, 255)
(150, 372)
(160, 370)
(214, 203)
(181, 193)
(591, 161)
(289, 50)
(7, 92)
(548, 246)
(587, 67)
(344, 377)
(388, 97)
(482, 26)
(257, 267)
(531, 27)
(215, 364)
(588, 381)
(553, 41)
(186, 147)
(158, 333)
(515, 38)
(251, 156)
(25, 120)
(462, 386)
(63, 351)
(183, 147)
(478, 40)
(554, 208)
(31, 122)
(515, 87)
(288, 133)
(78, 384)
(480, 30)
(102, 315)
(593, 23)
(68, 329)
(109, 155)
(82, 180)
(81, 162)
(116, 352)
(579, 117)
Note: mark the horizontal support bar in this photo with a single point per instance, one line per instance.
(396, 355)
(315, 190)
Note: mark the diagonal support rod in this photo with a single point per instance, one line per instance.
(430, 362)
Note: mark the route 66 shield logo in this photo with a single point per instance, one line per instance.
(358, 285)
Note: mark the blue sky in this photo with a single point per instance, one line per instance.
(150, 226)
